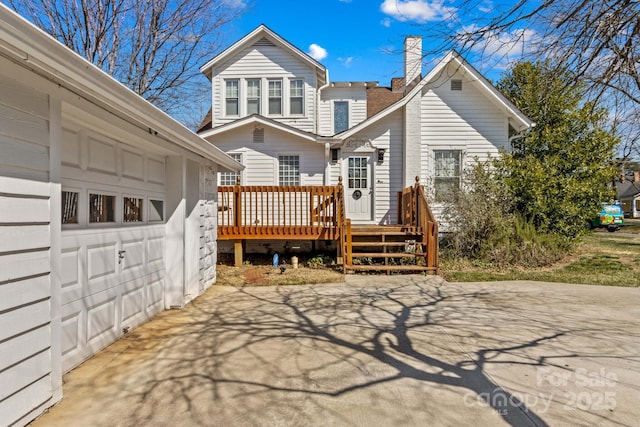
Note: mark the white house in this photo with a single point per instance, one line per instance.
(628, 192)
(107, 214)
(275, 110)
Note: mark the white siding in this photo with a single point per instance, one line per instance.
(261, 159)
(465, 120)
(266, 62)
(25, 240)
(357, 97)
(387, 134)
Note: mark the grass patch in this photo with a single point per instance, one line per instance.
(603, 258)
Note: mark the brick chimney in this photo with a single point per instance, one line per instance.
(636, 176)
(412, 61)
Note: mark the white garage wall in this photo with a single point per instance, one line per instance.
(25, 241)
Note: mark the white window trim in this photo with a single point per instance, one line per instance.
(144, 209)
(81, 208)
(267, 97)
(241, 173)
(461, 150)
(164, 207)
(117, 214)
(245, 100)
(224, 97)
(277, 166)
(304, 104)
(333, 113)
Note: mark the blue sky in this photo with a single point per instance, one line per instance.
(361, 40)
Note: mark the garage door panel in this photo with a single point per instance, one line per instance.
(101, 319)
(132, 305)
(102, 296)
(71, 332)
(155, 249)
(101, 261)
(155, 296)
(71, 274)
(133, 255)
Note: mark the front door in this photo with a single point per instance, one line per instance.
(358, 188)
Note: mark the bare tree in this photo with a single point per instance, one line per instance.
(598, 40)
(153, 46)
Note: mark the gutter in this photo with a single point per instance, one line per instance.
(32, 48)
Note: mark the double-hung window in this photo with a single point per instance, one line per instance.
(447, 174)
(296, 96)
(232, 94)
(340, 116)
(253, 96)
(289, 170)
(275, 97)
(231, 178)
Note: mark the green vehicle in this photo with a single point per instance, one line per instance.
(611, 217)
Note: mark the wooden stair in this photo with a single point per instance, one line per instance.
(387, 249)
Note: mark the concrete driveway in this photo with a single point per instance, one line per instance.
(376, 351)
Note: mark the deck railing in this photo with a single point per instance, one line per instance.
(280, 212)
(414, 212)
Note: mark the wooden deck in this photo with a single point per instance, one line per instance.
(318, 213)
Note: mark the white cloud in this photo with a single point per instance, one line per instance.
(346, 61)
(486, 6)
(386, 22)
(317, 52)
(420, 11)
(236, 4)
(505, 47)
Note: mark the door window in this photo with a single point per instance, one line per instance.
(357, 172)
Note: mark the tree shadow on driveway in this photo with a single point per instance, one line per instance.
(411, 352)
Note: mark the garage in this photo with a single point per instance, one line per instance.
(107, 214)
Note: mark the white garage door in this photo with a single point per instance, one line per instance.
(113, 235)
(112, 280)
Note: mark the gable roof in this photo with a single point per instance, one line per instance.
(256, 37)
(432, 76)
(627, 189)
(260, 120)
(33, 49)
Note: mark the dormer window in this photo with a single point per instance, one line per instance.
(275, 97)
(232, 94)
(253, 96)
(340, 116)
(296, 98)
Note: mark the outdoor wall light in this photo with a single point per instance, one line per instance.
(381, 152)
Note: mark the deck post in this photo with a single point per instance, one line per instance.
(238, 247)
(237, 210)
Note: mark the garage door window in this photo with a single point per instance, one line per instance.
(102, 208)
(70, 207)
(156, 210)
(132, 209)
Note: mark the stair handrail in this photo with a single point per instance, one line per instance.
(425, 219)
